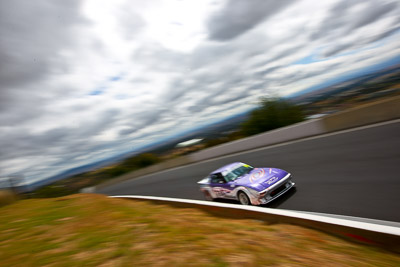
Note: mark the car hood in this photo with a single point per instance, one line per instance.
(260, 179)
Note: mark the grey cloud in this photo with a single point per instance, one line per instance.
(175, 91)
(335, 20)
(158, 58)
(95, 125)
(127, 131)
(31, 35)
(207, 65)
(217, 80)
(231, 98)
(266, 71)
(53, 137)
(14, 113)
(335, 49)
(201, 84)
(210, 100)
(372, 13)
(385, 34)
(16, 143)
(141, 120)
(140, 80)
(130, 22)
(258, 86)
(226, 105)
(305, 73)
(239, 16)
(342, 20)
(210, 54)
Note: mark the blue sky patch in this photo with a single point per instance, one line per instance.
(98, 91)
(115, 78)
(305, 60)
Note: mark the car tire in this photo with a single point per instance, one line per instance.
(243, 198)
(208, 196)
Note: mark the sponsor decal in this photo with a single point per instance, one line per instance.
(272, 180)
(256, 175)
(220, 191)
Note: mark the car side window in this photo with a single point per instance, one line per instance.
(217, 178)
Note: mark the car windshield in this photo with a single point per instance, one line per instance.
(236, 173)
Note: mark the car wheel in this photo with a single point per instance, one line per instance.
(208, 196)
(243, 198)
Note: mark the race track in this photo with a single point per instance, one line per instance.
(355, 173)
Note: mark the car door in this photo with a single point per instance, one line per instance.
(219, 187)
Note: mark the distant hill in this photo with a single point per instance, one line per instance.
(343, 86)
(370, 72)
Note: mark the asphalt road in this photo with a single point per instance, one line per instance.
(355, 173)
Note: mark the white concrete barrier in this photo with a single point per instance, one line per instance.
(386, 236)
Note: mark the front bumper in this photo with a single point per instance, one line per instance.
(274, 191)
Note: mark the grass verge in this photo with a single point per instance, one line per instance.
(93, 230)
(7, 197)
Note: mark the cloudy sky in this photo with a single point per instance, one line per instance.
(84, 80)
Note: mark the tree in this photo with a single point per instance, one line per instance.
(272, 114)
(141, 161)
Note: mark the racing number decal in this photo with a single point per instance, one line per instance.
(220, 191)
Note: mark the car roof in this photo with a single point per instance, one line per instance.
(227, 167)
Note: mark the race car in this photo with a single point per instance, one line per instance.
(248, 185)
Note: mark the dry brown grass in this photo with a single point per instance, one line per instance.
(92, 230)
(7, 197)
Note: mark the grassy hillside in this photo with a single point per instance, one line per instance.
(92, 230)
